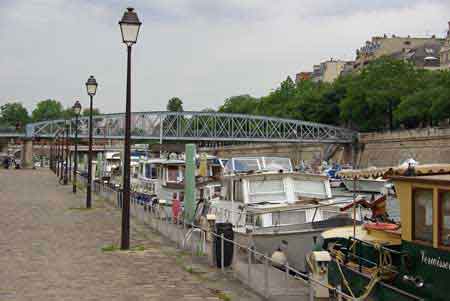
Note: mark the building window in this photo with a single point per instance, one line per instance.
(444, 218)
(423, 215)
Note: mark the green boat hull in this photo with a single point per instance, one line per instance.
(423, 274)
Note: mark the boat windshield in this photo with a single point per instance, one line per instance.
(246, 164)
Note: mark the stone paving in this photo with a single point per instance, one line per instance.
(51, 249)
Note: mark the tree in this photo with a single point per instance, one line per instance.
(68, 113)
(241, 104)
(95, 111)
(175, 105)
(374, 94)
(47, 110)
(13, 114)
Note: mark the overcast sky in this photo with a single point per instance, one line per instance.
(202, 51)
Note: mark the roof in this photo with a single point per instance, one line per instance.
(390, 172)
(443, 179)
(380, 237)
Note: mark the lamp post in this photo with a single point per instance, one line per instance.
(77, 110)
(129, 27)
(66, 155)
(61, 155)
(91, 87)
(50, 165)
(57, 154)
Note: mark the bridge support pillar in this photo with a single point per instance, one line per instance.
(27, 153)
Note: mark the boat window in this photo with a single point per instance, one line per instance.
(246, 164)
(423, 215)
(266, 190)
(305, 188)
(237, 193)
(277, 164)
(266, 186)
(288, 217)
(444, 218)
(172, 173)
(147, 170)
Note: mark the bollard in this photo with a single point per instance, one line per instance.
(222, 252)
(266, 275)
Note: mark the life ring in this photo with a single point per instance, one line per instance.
(381, 226)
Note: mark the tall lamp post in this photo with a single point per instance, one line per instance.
(129, 27)
(66, 151)
(91, 87)
(58, 155)
(77, 110)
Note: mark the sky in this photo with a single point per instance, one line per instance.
(202, 51)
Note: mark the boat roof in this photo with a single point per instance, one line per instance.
(439, 179)
(112, 155)
(295, 174)
(390, 172)
(386, 238)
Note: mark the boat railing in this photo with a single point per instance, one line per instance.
(249, 218)
(351, 254)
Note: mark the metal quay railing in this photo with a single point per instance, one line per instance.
(255, 269)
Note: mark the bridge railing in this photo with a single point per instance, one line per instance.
(205, 126)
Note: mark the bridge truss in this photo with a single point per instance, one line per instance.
(195, 126)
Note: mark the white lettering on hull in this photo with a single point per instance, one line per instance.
(433, 261)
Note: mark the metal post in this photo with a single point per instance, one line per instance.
(249, 274)
(311, 288)
(89, 182)
(287, 270)
(222, 252)
(338, 290)
(125, 241)
(75, 157)
(266, 275)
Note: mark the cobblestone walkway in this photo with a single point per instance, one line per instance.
(52, 250)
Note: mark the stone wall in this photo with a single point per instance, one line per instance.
(430, 145)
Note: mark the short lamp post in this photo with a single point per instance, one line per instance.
(77, 110)
(91, 87)
(129, 27)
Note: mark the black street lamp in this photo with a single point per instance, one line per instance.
(91, 87)
(129, 27)
(57, 154)
(77, 110)
(61, 156)
(52, 147)
(66, 153)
